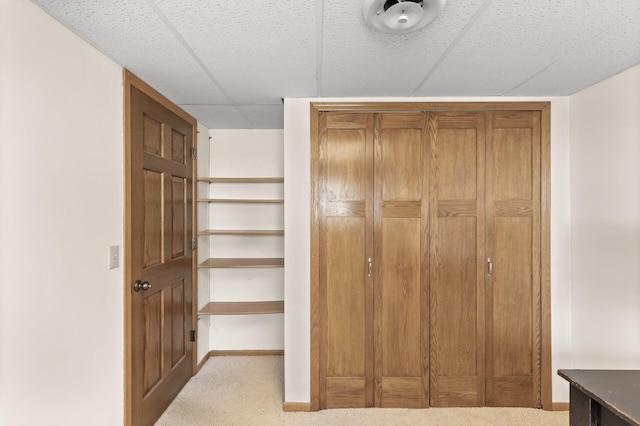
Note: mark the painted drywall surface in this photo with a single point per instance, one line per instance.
(61, 308)
(561, 301)
(297, 253)
(605, 221)
(246, 153)
(203, 167)
(297, 240)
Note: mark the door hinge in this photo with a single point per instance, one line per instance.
(193, 244)
(193, 153)
(192, 335)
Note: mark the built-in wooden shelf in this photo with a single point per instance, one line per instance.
(243, 308)
(269, 262)
(242, 232)
(239, 200)
(242, 179)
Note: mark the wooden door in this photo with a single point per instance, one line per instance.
(159, 232)
(346, 242)
(400, 262)
(459, 249)
(373, 262)
(457, 227)
(513, 244)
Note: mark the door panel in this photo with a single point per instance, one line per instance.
(457, 265)
(513, 290)
(345, 164)
(402, 392)
(456, 333)
(178, 332)
(513, 335)
(345, 245)
(179, 142)
(160, 211)
(346, 392)
(346, 330)
(152, 374)
(401, 351)
(512, 151)
(179, 186)
(401, 152)
(152, 135)
(152, 212)
(399, 283)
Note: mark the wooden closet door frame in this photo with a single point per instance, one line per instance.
(545, 218)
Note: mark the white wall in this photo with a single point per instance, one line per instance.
(605, 223)
(246, 153)
(297, 240)
(561, 273)
(61, 309)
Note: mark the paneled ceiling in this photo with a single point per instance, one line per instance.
(229, 63)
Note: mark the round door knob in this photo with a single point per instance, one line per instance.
(141, 286)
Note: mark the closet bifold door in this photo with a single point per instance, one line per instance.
(457, 231)
(346, 243)
(514, 246)
(400, 261)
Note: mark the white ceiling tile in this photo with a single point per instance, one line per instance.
(515, 39)
(132, 34)
(359, 60)
(218, 116)
(620, 45)
(259, 51)
(264, 116)
(238, 117)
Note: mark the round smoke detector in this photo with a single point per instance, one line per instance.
(401, 16)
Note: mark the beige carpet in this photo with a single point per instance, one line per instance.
(250, 391)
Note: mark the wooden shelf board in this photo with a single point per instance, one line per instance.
(243, 308)
(241, 179)
(269, 262)
(242, 232)
(238, 200)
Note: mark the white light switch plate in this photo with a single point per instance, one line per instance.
(114, 257)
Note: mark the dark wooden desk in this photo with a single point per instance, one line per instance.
(603, 397)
